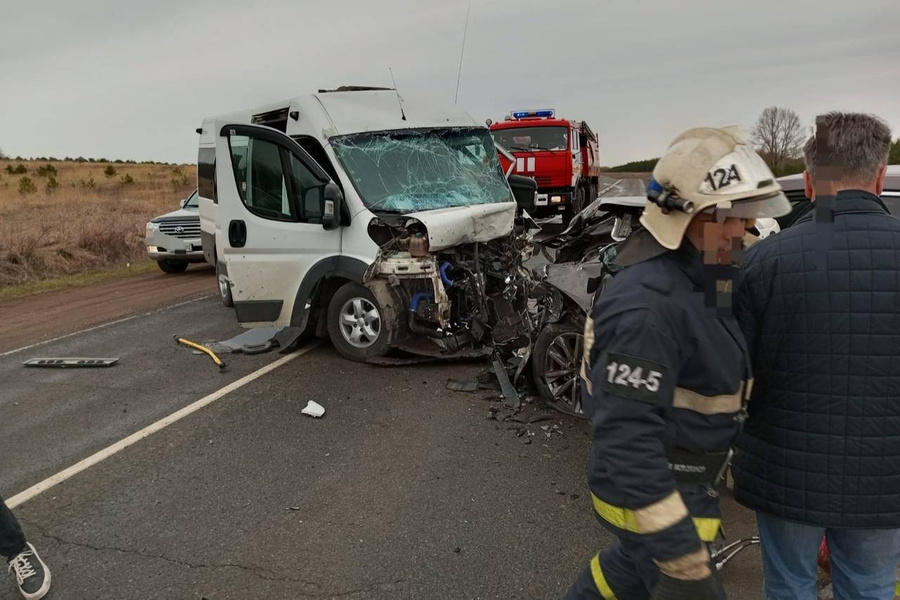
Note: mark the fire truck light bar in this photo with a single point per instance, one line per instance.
(524, 114)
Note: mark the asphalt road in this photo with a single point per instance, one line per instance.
(402, 490)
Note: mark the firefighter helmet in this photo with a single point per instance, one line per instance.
(709, 169)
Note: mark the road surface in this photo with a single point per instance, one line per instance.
(402, 490)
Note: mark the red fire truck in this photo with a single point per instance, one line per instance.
(561, 155)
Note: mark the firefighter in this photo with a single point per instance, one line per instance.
(666, 371)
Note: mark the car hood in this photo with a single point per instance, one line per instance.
(449, 227)
(178, 215)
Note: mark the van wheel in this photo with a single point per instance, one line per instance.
(224, 287)
(172, 266)
(356, 324)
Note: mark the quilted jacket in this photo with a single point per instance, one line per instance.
(819, 305)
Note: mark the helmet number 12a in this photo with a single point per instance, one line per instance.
(625, 375)
(723, 177)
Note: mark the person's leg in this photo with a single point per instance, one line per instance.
(611, 574)
(12, 540)
(789, 553)
(864, 563)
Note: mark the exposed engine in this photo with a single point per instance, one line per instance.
(467, 299)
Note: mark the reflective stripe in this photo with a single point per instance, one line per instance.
(600, 580)
(586, 354)
(624, 518)
(661, 515)
(897, 589)
(708, 405)
(690, 567)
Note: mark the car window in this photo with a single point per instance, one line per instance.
(270, 192)
(260, 178)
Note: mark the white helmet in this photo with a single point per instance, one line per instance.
(707, 168)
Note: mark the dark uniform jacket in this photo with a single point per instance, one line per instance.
(665, 372)
(820, 307)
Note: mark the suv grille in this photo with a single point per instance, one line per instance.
(181, 228)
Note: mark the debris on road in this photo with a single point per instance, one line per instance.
(457, 385)
(313, 409)
(203, 349)
(71, 363)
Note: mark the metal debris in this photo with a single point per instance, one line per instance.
(510, 395)
(70, 363)
(457, 385)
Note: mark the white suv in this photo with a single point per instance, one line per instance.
(173, 239)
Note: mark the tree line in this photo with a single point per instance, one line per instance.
(778, 137)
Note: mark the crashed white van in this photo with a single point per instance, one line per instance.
(383, 220)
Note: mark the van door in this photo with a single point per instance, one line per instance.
(271, 202)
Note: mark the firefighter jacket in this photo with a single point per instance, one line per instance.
(666, 371)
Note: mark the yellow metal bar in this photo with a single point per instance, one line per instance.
(202, 349)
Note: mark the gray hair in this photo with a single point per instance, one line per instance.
(853, 146)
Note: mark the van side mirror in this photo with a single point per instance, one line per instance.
(525, 191)
(333, 206)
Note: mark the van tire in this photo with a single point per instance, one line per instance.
(353, 299)
(224, 286)
(172, 267)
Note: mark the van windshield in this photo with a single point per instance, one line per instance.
(416, 170)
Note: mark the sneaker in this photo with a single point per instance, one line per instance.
(32, 575)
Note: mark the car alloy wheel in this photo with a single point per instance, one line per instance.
(561, 370)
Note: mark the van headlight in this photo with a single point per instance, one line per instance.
(152, 226)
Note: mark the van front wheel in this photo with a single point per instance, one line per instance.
(356, 323)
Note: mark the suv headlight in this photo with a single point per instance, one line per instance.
(152, 226)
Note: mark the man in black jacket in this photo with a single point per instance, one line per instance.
(819, 305)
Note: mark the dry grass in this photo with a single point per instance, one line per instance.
(75, 228)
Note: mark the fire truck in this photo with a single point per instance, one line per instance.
(561, 155)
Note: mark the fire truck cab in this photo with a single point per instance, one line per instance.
(561, 155)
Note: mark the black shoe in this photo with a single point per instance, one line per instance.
(32, 575)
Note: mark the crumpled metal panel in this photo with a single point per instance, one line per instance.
(451, 227)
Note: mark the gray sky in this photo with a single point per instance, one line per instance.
(124, 79)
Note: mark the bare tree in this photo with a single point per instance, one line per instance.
(778, 136)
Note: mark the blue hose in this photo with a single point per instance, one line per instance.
(444, 268)
(418, 297)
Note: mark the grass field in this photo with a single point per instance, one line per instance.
(89, 220)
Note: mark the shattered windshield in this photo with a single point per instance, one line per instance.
(416, 170)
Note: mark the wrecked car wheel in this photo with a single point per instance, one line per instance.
(555, 362)
(355, 323)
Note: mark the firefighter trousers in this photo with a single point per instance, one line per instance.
(624, 571)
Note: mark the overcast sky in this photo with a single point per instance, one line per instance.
(125, 79)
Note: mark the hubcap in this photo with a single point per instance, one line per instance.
(223, 286)
(561, 366)
(360, 323)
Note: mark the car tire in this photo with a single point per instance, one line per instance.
(556, 365)
(365, 338)
(172, 267)
(224, 286)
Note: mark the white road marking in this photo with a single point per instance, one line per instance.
(102, 455)
(102, 325)
(609, 187)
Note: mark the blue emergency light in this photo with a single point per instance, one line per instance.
(541, 114)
